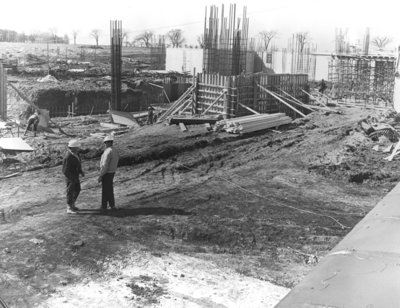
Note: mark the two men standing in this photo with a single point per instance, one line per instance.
(72, 169)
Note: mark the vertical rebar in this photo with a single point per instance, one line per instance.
(116, 46)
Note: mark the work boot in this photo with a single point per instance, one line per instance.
(71, 211)
(113, 208)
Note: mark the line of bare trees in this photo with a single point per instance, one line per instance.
(148, 38)
(15, 37)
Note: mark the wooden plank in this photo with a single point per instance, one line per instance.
(296, 100)
(183, 127)
(311, 96)
(249, 109)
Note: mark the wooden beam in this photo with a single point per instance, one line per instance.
(295, 99)
(249, 109)
(314, 98)
(294, 102)
(297, 103)
(165, 93)
(161, 87)
(176, 104)
(282, 101)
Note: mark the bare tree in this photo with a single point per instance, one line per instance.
(200, 40)
(176, 38)
(145, 38)
(53, 34)
(266, 38)
(381, 41)
(95, 33)
(75, 34)
(302, 38)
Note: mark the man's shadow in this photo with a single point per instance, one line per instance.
(128, 212)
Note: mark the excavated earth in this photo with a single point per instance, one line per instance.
(205, 219)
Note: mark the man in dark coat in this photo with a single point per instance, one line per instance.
(322, 86)
(72, 168)
(150, 114)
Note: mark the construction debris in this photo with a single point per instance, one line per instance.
(124, 118)
(376, 130)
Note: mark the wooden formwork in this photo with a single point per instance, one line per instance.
(239, 91)
(209, 89)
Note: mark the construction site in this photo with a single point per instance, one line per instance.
(233, 189)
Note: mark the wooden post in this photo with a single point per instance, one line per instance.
(195, 82)
(3, 93)
(226, 98)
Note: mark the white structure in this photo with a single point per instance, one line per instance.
(184, 59)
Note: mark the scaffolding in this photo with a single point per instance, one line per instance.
(225, 42)
(367, 79)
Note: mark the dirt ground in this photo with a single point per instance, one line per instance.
(205, 219)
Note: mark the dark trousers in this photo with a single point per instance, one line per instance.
(73, 190)
(107, 190)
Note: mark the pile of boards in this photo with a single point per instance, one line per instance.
(252, 123)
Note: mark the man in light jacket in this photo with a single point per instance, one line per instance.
(108, 166)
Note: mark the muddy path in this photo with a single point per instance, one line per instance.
(205, 219)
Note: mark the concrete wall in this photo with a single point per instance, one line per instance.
(362, 270)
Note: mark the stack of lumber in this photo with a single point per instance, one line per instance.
(252, 123)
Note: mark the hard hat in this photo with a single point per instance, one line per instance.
(108, 138)
(73, 143)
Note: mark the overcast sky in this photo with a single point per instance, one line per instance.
(318, 17)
